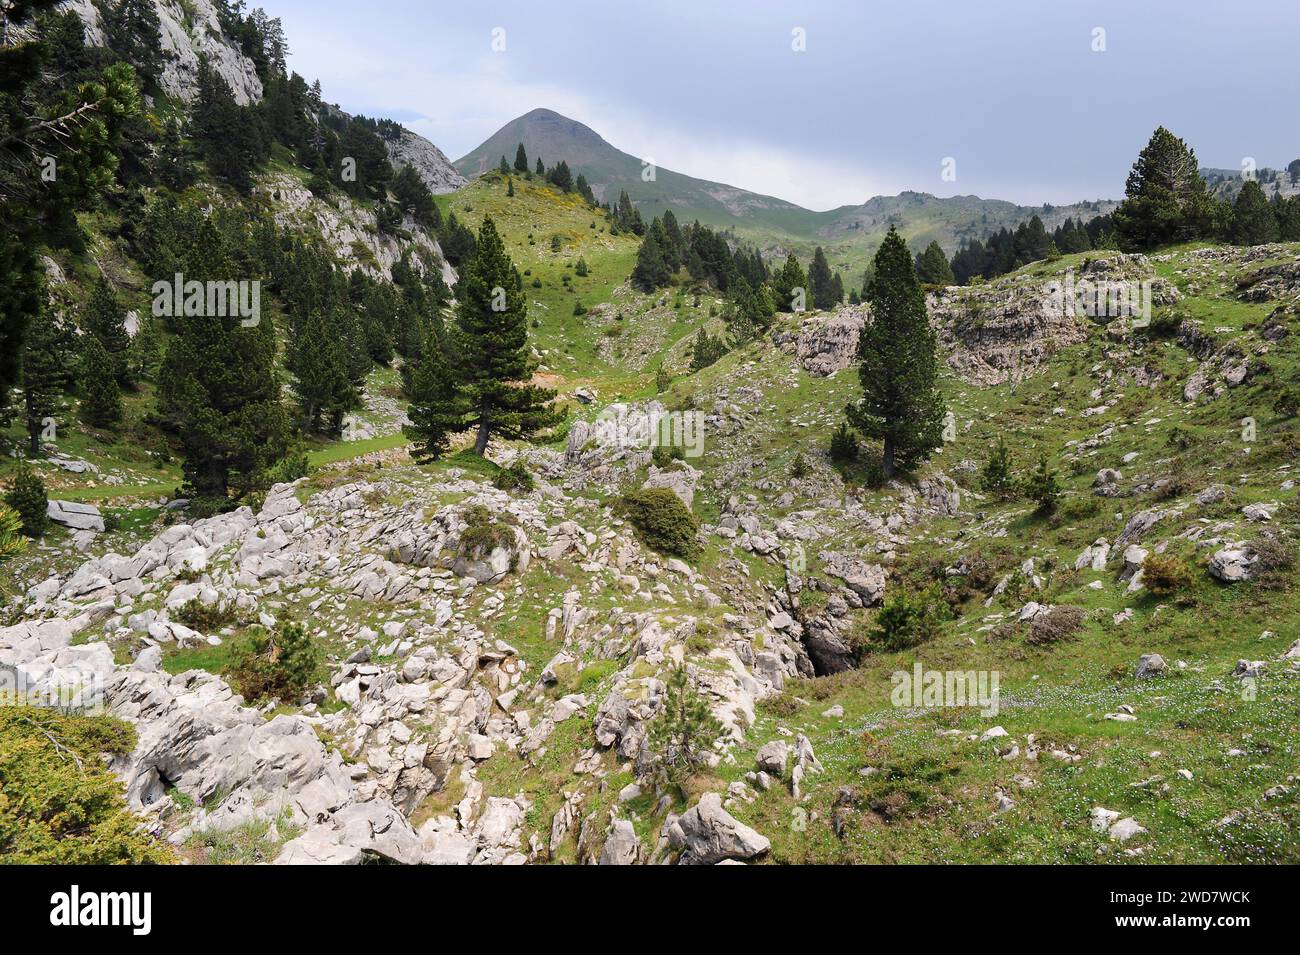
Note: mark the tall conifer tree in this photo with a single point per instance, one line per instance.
(105, 318)
(218, 387)
(101, 398)
(898, 363)
(1166, 199)
(45, 373)
(1253, 219)
(821, 289)
(486, 358)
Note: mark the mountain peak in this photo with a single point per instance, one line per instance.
(544, 133)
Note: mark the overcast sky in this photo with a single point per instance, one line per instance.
(1012, 90)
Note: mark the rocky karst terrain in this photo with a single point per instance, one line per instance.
(429, 693)
(493, 703)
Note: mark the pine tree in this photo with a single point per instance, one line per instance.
(685, 730)
(1288, 218)
(45, 373)
(145, 352)
(320, 373)
(790, 287)
(487, 358)
(899, 366)
(227, 132)
(366, 149)
(821, 288)
(414, 198)
(521, 160)
(135, 34)
(541, 167)
(1253, 219)
(80, 128)
(438, 409)
(27, 496)
(562, 177)
(217, 387)
(651, 270)
(844, 444)
(503, 167)
(1166, 199)
(1042, 487)
(627, 217)
(12, 541)
(1033, 244)
(996, 478)
(174, 169)
(101, 398)
(932, 266)
(705, 350)
(674, 244)
(105, 319)
(749, 312)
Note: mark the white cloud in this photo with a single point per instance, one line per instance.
(811, 181)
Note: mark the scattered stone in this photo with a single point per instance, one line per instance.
(1150, 665)
(80, 517)
(707, 834)
(772, 757)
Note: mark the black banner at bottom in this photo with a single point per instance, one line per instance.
(147, 907)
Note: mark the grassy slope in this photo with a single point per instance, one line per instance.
(577, 349)
(934, 797)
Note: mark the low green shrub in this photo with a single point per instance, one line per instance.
(1179, 438)
(908, 619)
(200, 507)
(665, 454)
(1275, 558)
(483, 532)
(202, 617)
(662, 521)
(844, 445)
(282, 664)
(59, 802)
(289, 468)
(1057, 624)
(1166, 575)
(27, 496)
(517, 477)
(1288, 403)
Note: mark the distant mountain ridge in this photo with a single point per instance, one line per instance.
(849, 233)
(552, 137)
(1226, 183)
